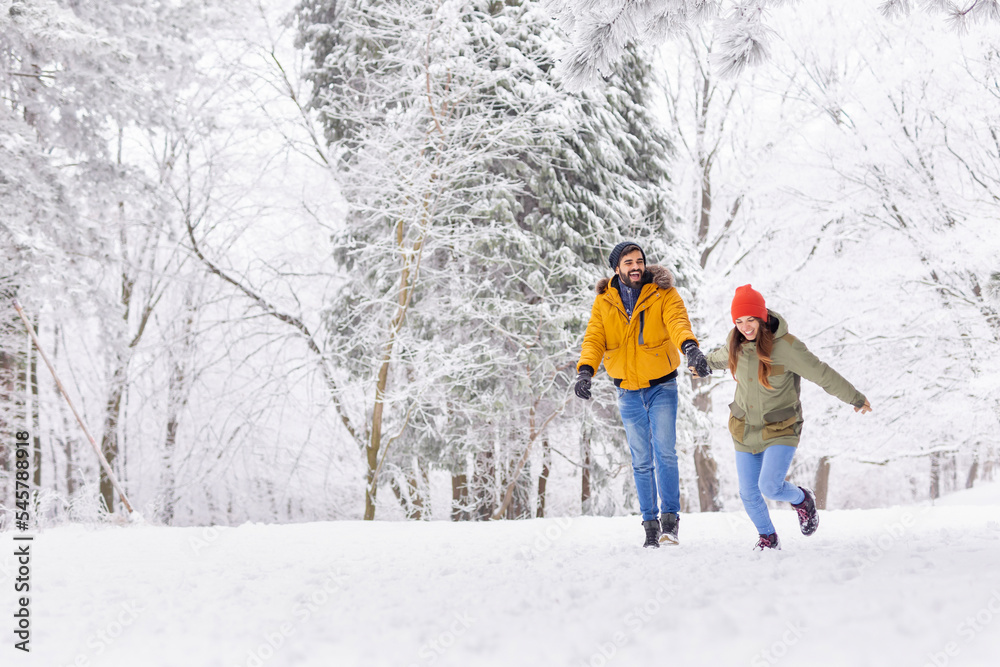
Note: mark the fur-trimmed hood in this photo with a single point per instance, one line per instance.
(655, 273)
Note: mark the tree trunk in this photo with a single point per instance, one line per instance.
(400, 498)
(708, 479)
(516, 481)
(375, 441)
(407, 281)
(10, 400)
(36, 426)
(68, 446)
(68, 442)
(484, 485)
(516, 485)
(416, 495)
(109, 440)
(371, 456)
(705, 466)
(586, 506)
(544, 477)
(411, 499)
(952, 467)
(822, 486)
(177, 397)
(169, 476)
(704, 463)
(935, 490)
(970, 480)
(459, 497)
(22, 390)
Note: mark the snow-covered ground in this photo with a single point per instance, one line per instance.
(908, 586)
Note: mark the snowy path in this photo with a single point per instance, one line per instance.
(904, 586)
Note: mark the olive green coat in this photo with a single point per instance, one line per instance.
(760, 417)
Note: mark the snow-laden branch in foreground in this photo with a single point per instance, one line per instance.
(744, 42)
(959, 15)
(600, 31)
(993, 288)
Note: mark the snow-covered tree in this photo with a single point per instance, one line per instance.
(397, 88)
(49, 115)
(95, 138)
(244, 350)
(592, 171)
(880, 193)
(508, 191)
(712, 173)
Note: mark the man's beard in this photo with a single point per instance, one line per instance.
(624, 279)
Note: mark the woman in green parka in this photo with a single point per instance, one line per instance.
(765, 418)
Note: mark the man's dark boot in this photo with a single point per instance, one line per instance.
(652, 532)
(669, 523)
(808, 517)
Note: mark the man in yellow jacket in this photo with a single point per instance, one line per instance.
(637, 326)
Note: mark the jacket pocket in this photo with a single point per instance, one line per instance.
(614, 363)
(780, 423)
(737, 422)
(660, 349)
(658, 359)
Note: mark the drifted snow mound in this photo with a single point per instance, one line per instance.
(910, 586)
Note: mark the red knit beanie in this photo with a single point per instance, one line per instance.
(749, 301)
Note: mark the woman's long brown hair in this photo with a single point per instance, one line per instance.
(765, 342)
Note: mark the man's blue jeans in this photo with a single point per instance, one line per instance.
(763, 475)
(650, 419)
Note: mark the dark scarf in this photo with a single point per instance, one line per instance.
(630, 295)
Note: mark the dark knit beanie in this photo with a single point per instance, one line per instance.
(620, 248)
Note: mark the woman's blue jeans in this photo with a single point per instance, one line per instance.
(650, 419)
(763, 475)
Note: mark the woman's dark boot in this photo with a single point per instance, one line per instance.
(768, 542)
(808, 517)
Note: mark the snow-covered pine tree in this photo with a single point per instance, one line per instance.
(399, 88)
(594, 171)
(483, 352)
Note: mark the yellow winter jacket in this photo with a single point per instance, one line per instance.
(640, 351)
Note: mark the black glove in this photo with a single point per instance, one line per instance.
(696, 359)
(583, 382)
